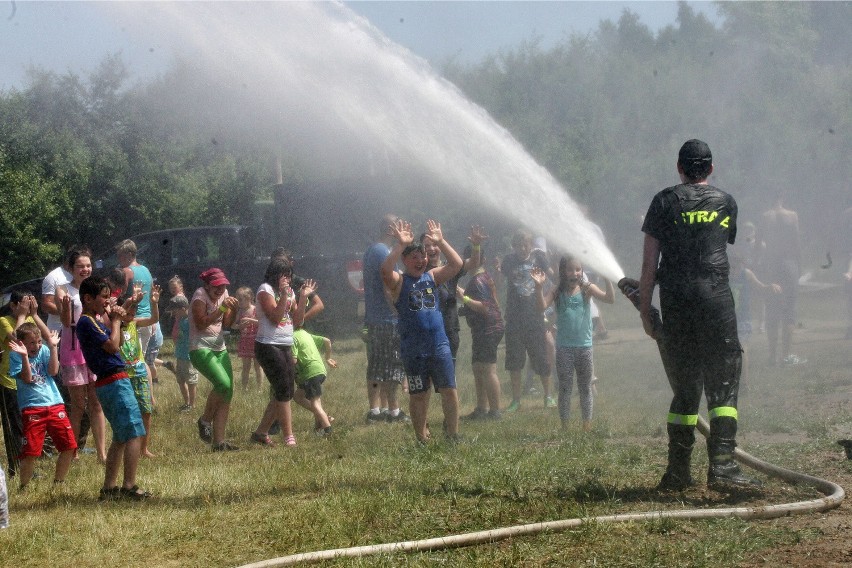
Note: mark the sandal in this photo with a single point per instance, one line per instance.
(262, 439)
(134, 493)
(290, 441)
(109, 493)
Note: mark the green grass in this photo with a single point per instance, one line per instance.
(371, 484)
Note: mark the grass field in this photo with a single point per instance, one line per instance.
(372, 484)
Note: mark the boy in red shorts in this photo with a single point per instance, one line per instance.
(33, 365)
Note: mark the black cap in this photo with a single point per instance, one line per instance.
(694, 151)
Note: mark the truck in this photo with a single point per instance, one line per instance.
(322, 248)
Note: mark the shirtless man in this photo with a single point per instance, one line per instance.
(781, 264)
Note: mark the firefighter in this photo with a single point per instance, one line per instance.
(687, 230)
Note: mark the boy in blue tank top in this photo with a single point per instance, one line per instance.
(424, 346)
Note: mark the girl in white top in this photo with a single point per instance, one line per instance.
(278, 311)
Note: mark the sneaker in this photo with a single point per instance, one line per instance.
(401, 417)
(262, 439)
(477, 414)
(184, 408)
(793, 360)
(376, 417)
(205, 431)
(549, 402)
(225, 447)
(494, 415)
(516, 404)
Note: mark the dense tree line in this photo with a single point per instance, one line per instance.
(96, 159)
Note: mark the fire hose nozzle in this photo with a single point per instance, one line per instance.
(630, 288)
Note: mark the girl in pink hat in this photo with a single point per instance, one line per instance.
(211, 311)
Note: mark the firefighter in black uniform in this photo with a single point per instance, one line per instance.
(687, 230)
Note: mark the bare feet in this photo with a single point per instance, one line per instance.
(148, 454)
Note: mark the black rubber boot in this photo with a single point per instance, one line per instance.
(728, 472)
(723, 469)
(678, 476)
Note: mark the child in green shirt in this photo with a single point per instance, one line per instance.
(310, 374)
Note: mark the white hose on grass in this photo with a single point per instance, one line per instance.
(834, 495)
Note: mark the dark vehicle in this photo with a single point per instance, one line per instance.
(306, 220)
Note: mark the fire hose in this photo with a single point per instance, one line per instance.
(834, 495)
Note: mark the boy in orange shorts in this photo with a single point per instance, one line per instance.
(33, 366)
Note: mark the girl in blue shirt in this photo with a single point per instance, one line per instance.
(572, 299)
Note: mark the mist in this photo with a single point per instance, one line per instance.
(320, 84)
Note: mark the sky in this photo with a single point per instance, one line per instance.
(76, 36)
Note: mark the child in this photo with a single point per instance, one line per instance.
(152, 354)
(424, 345)
(187, 376)
(311, 373)
(99, 333)
(19, 309)
(246, 323)
(212, 311)
(525, 326)
(33, 365)
(134, 362)
(482, 310)
(574, 329)
(743, 281)
(76, 376)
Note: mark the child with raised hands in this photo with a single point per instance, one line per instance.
(33, 362)
(134, 357)
(424, 346)
(99, 333)
(574, 331)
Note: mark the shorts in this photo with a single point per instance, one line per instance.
(483, 347)
(142, 392)
(280, 369)
(41, 420)
(151, 354)
(312, 387)
(121, 410)
(145, 335)
(215, 366)
(76, 375)
(523, 340)
(436, 370)
(383, 360)
(186, 373)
